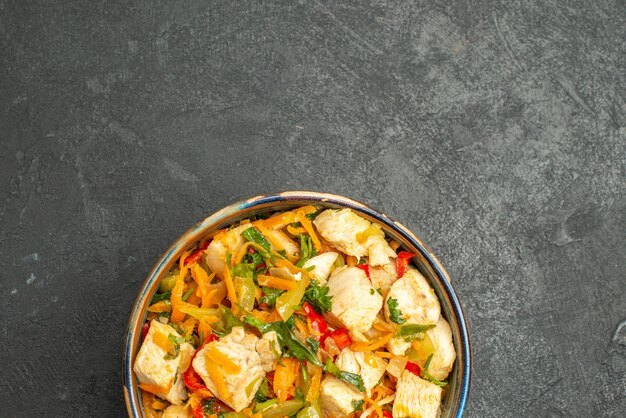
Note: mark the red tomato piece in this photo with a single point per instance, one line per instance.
(197, 255)
(341, 337)
(366, 269)
(144, 330)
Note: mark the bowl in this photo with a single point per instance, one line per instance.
(459, 379)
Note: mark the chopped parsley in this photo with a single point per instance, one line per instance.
(306, 249)
(269, 296)
(158, 297)
(410, 332)
(395, 314)
(357, 405)
(351, 378)
(318, 297)
(253, 235)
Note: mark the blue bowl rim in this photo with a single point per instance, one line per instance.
(230, 211)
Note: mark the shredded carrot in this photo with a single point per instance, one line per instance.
(195, 299)
(308, 226)
(295, 230)
(302, 327)
(285, 378)
(177, 292)
(280, 220)
(204, 329)
(383, 354)
(278, 246)
(371, 346)
(159, 405)
(374, 404)
(217, 357)
(189, 326)
(162, 341)
(307, 210)
(316, 378)
(155, 389)
(202, 279)
(276, 282)
(274, 316)
(351, 261)
(217, 377)
(230, 287)
(394, 245)
(161, 306)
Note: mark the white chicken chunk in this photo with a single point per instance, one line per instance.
(337, 397)
(355, 302)
(383, 277)
(416, 299)
(355, 362)
(177, 411)
(398, 346)
(268, 347)
(241, 386)
(348, 232)
(152, 368)
(230, 242)
(416, 397)
(444, 353)
(322, 266)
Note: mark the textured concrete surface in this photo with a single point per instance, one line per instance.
(497, 132)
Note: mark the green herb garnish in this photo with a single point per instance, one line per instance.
(318, 297)
(313, 343)
(353, 379)
(253, 235)
(306, 249)
(158, 297)
(287, 340)
(357, 405)
(269, 296)
(427, 376)
(395, 314)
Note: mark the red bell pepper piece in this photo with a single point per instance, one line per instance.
(402, 262)
(191, 378)
(413, 368)
(144, 330)
(366, 269)
(197, 255)
(341, 337)
(387, 414)
(318, 323)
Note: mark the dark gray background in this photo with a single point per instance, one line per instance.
(496, 132)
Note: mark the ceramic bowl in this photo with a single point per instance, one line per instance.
(459, 380)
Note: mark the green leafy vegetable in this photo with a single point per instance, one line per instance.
(395, 314)
(313, 343)
(188, 293)
(351, 378)
(158, 297)
(208, 406)
(306, 249)
(410, 332)
(357, 405)
(263, 393)
(252, 234)
(287, 340)
(318, 297)
(269, 296)
(242, 270)
(226, 323)
(427, 376)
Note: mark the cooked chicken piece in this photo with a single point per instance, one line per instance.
(177, 411)
(355, 302)
(354, 235)
(268, 347)
(337, 397)
(444, 354)
(153, 369)
(416, 299)
(416, 397)
(230, 242)
(398, 346)
(322, 265)
(240, 384)
(383, 277)
(370, 368)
